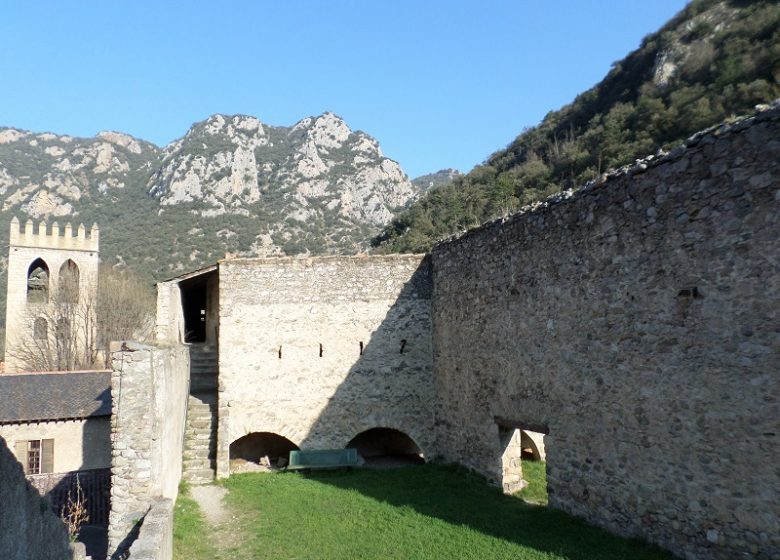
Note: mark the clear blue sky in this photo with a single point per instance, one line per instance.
(438, 83)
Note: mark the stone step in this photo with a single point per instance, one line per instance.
(204, 359)
(198, 464)
(200, 476)
(197, 386)
(198, 452)
(199, 407)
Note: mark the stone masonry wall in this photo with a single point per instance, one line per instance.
(275, 314)
(637, 321)
(149, 389)
(28, 528)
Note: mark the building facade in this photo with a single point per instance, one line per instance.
(51, 297)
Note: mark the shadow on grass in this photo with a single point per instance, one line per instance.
(459, 497)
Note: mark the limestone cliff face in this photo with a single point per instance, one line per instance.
(230, 184)
(50, 176)
(315, 168)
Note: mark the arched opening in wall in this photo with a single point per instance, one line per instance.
(523, 465)
(532, 445)
(386, 447)
(260, 451)
(41, 331)
(69, 282)
(65, 344)
(38, 282)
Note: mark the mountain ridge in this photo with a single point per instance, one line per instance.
(230, 184)
(714, 60)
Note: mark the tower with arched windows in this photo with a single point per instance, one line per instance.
(52, 294)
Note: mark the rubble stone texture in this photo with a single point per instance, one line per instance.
(149, 396)
(635, 321)
(289, 307)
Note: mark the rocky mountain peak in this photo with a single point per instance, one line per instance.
(121, 139)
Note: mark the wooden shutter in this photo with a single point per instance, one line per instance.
(47, 455)
(20, 448)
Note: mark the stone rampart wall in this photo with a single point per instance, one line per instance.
(28, 528)
(276, 314)
(155, 536)
(637, 321)
(149, 388)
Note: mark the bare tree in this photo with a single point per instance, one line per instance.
(71, 330)
(125, 307)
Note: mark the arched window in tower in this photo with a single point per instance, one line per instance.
(69, 282)
(41, 329)
(38, 282)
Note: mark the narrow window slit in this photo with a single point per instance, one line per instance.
(361, 347)
(280, 352)
(403, 345)
(320, 350)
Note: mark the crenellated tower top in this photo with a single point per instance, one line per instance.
(29, 236)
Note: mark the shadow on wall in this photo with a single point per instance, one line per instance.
(88, 486)
(385, 408)
(385, 404)
(28, 529)
(94, 484)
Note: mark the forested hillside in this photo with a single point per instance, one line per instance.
(713, 61)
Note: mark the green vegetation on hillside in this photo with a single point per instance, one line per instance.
(421, 512)
(714, 60)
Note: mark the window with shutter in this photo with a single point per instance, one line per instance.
(47, 455)
(20, 450)
(34, 456)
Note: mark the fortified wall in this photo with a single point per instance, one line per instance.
(320, 350)
(635, 321)
(149, 399)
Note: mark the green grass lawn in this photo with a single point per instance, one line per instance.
(417, 512)
(536, 475)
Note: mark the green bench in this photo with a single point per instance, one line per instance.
(323, 459)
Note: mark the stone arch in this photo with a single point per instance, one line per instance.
(38, 282)
(388, 446)
(68, 281)
(532, 444)
(251, 450)
(41, 329)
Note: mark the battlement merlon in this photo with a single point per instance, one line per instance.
(29, 236)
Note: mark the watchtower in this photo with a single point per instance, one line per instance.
(52, 292)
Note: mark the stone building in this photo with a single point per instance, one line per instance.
(303, 353)
(57, 422)
(634, 322)
(52, 289)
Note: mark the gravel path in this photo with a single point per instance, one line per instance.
(209, 499)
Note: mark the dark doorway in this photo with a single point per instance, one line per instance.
(260, 449)
(386, 447)
(194, 296)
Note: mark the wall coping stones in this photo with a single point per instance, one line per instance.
(764, 113)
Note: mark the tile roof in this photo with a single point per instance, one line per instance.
(54, 396)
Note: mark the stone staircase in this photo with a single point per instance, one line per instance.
(200, 436)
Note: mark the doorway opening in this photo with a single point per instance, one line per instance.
(260, 451)
(386, 448)
(200, 307)
(523, 463)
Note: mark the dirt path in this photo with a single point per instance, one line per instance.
(210, 499)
